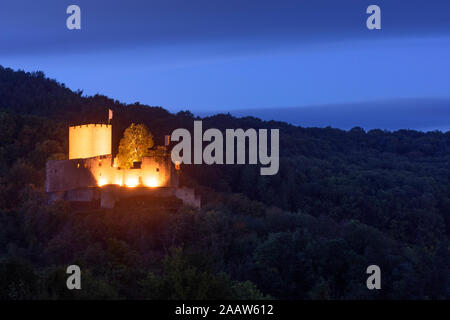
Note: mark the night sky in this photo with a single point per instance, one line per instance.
(312, 63)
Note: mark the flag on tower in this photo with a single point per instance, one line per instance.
(166, 141)
(109, 115)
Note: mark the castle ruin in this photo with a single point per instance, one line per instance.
(92, 173)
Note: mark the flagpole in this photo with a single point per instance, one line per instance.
(110, 115)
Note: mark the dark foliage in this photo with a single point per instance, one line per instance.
(343, 200)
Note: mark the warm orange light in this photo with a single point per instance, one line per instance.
(119, 181)
(89, 141)
(102, 182)
(151, 182)
(132, 182)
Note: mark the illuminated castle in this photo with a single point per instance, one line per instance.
(91, 173)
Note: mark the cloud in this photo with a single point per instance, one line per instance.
(39, 26)
(419, 114)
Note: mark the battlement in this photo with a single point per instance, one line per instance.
(91, 173)
(89, 140)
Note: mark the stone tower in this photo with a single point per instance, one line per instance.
(89, 140)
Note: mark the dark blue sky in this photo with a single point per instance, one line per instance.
(231, 55)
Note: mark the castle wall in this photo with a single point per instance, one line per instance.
(91, 174)
(64, 175)
(101, 169)
(157, 171)
(83, 194)
(89, 140)
(111, 194)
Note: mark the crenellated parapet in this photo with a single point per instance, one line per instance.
(91, 173)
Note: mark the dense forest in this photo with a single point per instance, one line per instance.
(342, 200)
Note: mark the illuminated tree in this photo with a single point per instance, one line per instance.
(134, 145)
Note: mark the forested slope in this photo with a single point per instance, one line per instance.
(341, 201)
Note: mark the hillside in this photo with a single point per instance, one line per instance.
(341, 201)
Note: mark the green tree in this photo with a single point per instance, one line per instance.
(180, 280)
(134, 145)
